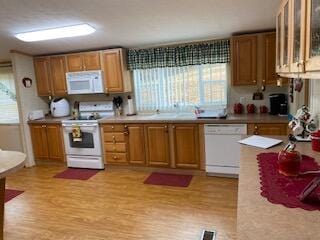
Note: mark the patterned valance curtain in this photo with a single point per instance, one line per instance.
(179, 56)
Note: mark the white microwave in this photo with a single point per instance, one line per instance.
(85, 82)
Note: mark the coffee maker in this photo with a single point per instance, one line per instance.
(278, 104)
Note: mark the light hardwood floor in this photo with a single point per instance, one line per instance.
(116, 204)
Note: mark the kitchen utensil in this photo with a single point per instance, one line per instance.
(289, 161)
(263, 109)
(251, 108)
(238, 108)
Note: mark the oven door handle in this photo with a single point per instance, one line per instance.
(80, 125)
(90, 129)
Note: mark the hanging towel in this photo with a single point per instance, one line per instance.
(76, 133)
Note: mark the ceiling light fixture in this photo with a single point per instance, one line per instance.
(55, 33)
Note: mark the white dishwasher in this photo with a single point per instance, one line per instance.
(222, 148)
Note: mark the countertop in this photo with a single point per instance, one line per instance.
(10, 162)
(183, 118)
(260, 219)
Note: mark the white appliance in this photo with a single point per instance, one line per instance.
(36, 114)
(222, 148)
(88, 152)
(85, 82)
(211, 113)
(60, 107)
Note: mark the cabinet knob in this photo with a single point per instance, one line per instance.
(254, 81)
(115, 157)
(173, 127)
(112, 127)
(43, 126)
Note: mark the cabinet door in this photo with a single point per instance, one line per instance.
(58, 75)
(244, 60)
(186, 145)
(157, 145)
(313, 36)
(268, 129)
(75, 62)
(298, 36)
(112, 69)
(39, 141)
(136, 144)
(270, 77)
(55, 142)
(279, 41)
(285, 53)
(91, 61)
(42, 68)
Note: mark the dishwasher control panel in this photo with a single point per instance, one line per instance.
(225, 129)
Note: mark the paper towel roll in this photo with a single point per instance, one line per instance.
(130, 107)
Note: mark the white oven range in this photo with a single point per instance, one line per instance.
(86, 153)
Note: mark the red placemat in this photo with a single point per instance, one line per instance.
(279, 189)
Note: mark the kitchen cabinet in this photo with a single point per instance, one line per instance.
(244, 60)
(47, 141)
(50, 75)
(42, 68)
(313, 35)
(86, 61)
(157, 145)
(136, 144)
(58, 75)
(269, 71)
(254, 59)
(117, 78)
(115, 143)
(268, 129)
(186, 146)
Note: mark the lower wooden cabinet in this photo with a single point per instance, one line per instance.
(186, 145)
(136, 144)
(47, 141)
(157, 145)
(268, 129)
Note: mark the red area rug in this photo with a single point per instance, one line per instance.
(77, 173)
(279, 189)
(11, 193)
(166, 179)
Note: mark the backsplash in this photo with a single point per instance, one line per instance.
(235, 93)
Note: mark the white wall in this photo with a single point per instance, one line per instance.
(10, 137)
(27, 99)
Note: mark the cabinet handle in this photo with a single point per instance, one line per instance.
(173, 127)
(43, 126)
(254, 81)
(166, 128)
(112, 127)
(285, 65)
(256, 130)
(115, 157)
(84, 67)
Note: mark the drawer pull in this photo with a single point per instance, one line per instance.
(115, 157)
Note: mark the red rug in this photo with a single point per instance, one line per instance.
(279, 189)
(167, 179)
(11, 193)
(77, 173)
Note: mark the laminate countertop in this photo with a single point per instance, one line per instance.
(260, 219)
(180, 118)
(10, 162)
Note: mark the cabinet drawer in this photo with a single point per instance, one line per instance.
(114, 137)
(116, 158)
(115, 147)
(114, 128)
(268, 129)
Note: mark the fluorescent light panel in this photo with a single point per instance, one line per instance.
(55, 33)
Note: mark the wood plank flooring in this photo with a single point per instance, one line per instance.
(115, 204)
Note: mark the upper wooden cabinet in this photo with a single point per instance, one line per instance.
(254, 59)
(86, 61)
(244, 60)
(298, 44)
(50, 75)
(269, 47)
(58, 75)
(42, 71)
(116, 76)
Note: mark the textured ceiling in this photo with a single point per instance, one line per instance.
(130, 23)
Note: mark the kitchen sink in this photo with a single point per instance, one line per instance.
(169, 116)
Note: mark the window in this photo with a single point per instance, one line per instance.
(8, 102)
(161, 88)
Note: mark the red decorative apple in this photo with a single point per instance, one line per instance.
(289, 162)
